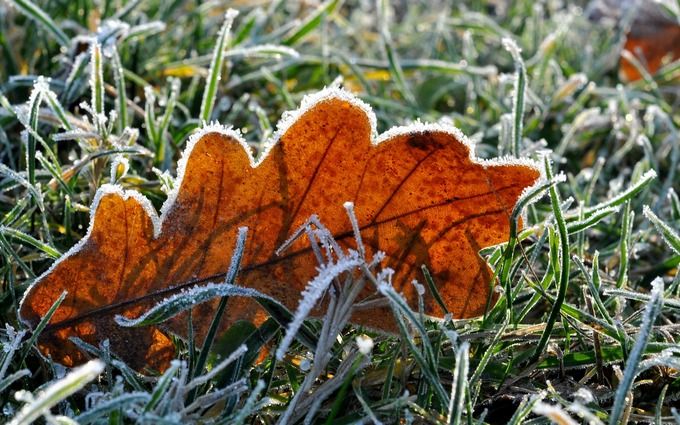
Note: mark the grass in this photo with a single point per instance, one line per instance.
(585, 326)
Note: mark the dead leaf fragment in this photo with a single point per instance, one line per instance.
(419, 195)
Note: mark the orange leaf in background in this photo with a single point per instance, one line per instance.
(654, 40)
(419, 196)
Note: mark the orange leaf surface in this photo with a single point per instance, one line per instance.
(419, 194)
(653, 46)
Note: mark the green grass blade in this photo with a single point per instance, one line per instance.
(391, 53)
(43, 322)
(121, 92)
(624, 245)
(630, 372)
(460, 384)
(230, 278)
(215, 73)
(518, 95)
(35, 13)
(624, 196)
(669, 235)
(33, 111)
(563, 279)
(104, 409)
(57, 392)
(97, 78)
(311, 22)
(31, 241)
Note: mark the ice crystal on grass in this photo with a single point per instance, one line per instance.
(178, 396)
(10, 341)
(347, 271)
(215, 74)
(313, 293)
(40, 404)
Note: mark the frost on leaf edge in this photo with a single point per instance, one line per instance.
(288, 119)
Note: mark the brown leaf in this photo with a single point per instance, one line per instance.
(419, 196)
(653, 46)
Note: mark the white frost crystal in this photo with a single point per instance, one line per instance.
(365, 344)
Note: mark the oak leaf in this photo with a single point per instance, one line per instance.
(419, 194)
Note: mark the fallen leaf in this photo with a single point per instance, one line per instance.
(653, 44)
(419, 194)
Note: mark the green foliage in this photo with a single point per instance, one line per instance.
(108, 91)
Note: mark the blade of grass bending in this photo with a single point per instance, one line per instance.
(652, 310)
(214, 325)
(43, 322)
(581, 225)
(215, 73)
(30, 240)
(668, 234)
(506, 264)
(175, 304)
(563, 281)
(35, 13)
(622, 197)
(182, 301)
